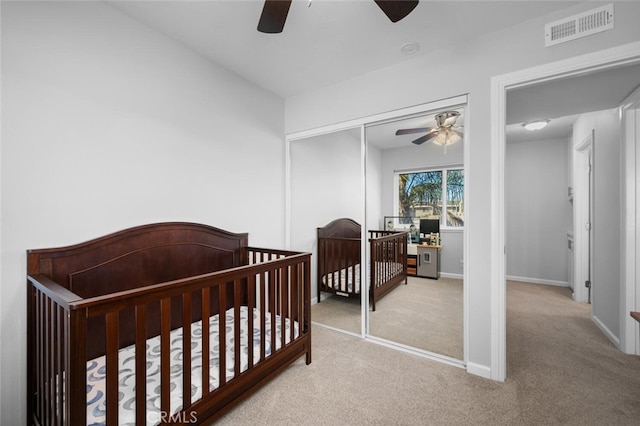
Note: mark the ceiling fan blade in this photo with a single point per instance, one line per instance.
(396, 10)
(425, 138)
(274, 15)
(411, 131)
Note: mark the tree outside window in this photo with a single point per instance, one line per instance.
(455, 198)
(433, 194)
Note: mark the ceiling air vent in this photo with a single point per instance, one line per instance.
(577, 26)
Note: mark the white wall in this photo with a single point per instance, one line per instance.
(461, 69)
(107, 125)
(375, 205)
(537, 210)
(607, 214)
(325, 185)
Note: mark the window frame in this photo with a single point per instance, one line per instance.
(443, 169)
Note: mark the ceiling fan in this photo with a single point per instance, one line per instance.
(445, 133)
(274, 12)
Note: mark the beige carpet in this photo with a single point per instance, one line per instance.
(561, 370)
(425, 314)
(339, 312)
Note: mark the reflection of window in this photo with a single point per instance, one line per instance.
(433, 194)
(455, 197)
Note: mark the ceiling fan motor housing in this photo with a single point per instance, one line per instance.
(447, 118)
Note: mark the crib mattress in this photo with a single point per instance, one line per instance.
(96, 368)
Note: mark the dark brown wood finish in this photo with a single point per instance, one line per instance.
(339, 251)
(388, 262)
(145, 282)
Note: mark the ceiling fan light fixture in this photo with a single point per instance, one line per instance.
(441, 138)
(446, 137)
(536, 124)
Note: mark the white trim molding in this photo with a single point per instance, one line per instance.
(595, 61)
(528, 280)
(479, 370)
(630, 118)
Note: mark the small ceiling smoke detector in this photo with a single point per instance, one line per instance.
(536, 125)
(410, 48)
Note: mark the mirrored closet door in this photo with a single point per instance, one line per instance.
(326, 192)
(415, 184)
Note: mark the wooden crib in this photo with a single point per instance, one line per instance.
(110, 317)
(339, 258)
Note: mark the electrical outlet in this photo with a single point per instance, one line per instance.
(461, 264)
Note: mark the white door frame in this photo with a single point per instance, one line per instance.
(630, 115)
(601, 60)
(582, 160)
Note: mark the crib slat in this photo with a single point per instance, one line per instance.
(39, 352)
(141, 363)
(222, 333)
(263, 313)
(66, 342)
(56, 370)
(186, 350)
(165, 359)
(47, 362)
(50, 361)
(295, 304)
(283, 306)
(206, 348)
(236, 327)
(76, 368)
(337, 258)
(111, 320)
(272, 308)
(251, 303)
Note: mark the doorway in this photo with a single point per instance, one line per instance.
(609, 59)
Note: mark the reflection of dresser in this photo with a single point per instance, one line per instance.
(412, 259)
(428, 261)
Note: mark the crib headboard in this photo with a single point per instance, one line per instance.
(340, 228)
(139, 257)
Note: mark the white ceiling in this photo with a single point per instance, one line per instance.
(330, 41)
(563, 100)
(335, 40)
(383, 136)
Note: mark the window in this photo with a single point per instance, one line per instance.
(433, 194)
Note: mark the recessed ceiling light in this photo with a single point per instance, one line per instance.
(536, 125)
(410, 48)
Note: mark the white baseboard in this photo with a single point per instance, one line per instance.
(614, 339)
(479, 370)
(449, 275)
(538, 281)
